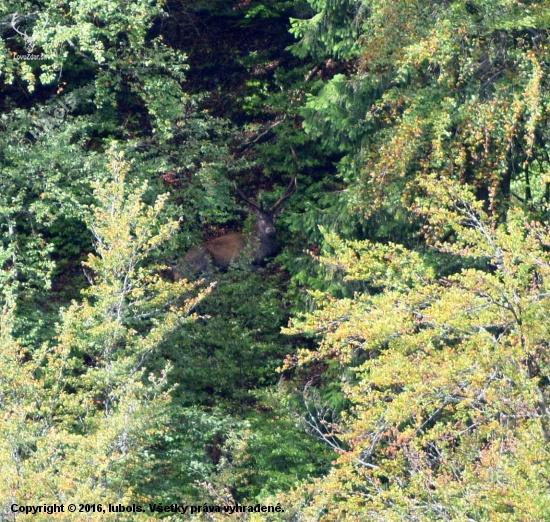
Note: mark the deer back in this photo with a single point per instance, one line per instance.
(226, 249)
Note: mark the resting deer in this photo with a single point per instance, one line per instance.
(225, 250)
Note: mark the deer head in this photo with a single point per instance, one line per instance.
(264, 230)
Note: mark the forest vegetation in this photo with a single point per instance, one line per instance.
(389, 361)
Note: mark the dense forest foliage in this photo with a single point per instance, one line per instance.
(388, 361)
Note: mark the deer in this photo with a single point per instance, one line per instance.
(226, 250)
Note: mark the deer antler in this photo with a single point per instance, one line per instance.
(292, 186)
(246, 200)
(291, 189)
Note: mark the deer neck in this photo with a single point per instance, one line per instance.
(266, 246)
